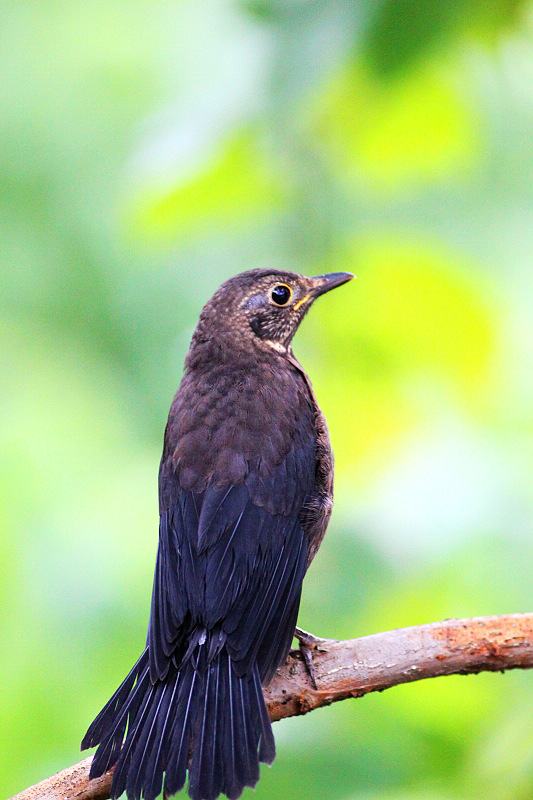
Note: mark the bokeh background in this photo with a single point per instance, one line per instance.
(148, 151)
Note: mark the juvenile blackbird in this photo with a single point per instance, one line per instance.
(245, 496)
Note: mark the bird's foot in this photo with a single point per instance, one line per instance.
(308, 642)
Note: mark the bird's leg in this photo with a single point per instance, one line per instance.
(308, 643)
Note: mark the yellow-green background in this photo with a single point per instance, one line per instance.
(149, 150)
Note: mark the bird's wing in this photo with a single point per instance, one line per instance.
(319, 504)
(230, 565)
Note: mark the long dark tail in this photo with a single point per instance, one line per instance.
(203, 717)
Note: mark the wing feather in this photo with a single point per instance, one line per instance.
(230, 565)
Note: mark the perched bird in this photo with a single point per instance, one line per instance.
(245, 496)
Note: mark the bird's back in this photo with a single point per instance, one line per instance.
(233, 422)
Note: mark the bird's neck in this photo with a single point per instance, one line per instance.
(239, 352)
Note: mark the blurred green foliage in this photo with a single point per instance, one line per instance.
(147, 152)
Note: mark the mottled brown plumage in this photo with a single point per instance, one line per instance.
(246, 491)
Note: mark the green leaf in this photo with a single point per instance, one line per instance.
(232, 186)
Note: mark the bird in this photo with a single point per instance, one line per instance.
(245, 497)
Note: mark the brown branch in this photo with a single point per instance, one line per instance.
(351, 669)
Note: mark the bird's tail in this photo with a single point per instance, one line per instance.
(203, 717)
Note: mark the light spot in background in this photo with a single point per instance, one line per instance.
(449, 483)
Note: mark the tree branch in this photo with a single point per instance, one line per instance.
(353, 668)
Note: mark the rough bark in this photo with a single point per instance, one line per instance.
(353, 668)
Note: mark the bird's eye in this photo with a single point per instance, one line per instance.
(281, 294)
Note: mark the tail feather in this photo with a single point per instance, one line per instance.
(99, 727)
(108, 753)
(225, 757)
(242, 702)
(185, 715)
(204, 781)
(245, 763)
(136, 727)
(267, 746)
(156, 764)
(205, 718)
(233, 738)
(143, 768)
(143, 741)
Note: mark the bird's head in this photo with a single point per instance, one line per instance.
(264, 306)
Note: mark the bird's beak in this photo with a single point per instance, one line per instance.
(323, 283)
